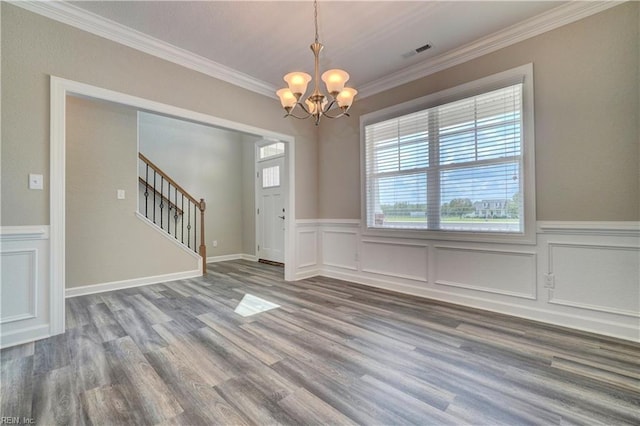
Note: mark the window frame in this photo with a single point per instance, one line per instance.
(522, 74)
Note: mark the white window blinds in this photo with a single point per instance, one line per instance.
(456, 166)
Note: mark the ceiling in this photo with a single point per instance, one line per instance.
(369, 39)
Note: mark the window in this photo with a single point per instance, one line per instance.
(271, 177)
(271, 150)
(457, 165)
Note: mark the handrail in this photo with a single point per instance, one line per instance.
(201, 205)
(168, 179)
(171, 203)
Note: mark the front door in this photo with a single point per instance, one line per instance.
(271, 212)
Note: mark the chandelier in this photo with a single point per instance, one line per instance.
(317, 105)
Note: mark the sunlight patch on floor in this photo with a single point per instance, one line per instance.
(251, 305)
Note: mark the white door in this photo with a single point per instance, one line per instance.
(271, 191)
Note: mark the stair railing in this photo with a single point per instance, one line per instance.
(160, 193)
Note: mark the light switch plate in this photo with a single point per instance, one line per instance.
(120, 194)
(36, 181)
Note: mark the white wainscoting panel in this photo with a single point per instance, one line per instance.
(24, 292)
(396, 259)
(340, 248)
(596, 277)
(307, 248)
(512, 273)
(19, 285)
(307, 243)
(596, 266)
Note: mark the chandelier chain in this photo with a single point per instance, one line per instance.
(315, 16)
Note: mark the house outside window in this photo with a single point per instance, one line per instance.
(458, 163)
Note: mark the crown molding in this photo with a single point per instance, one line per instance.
(66, 13)
(79, 18)
(547, 21)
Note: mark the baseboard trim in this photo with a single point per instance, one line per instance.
(136, 282)
(301, 275)
(227, 257)
(576, 322)
(27, 335)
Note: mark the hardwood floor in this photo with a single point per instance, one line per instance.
(333, 353)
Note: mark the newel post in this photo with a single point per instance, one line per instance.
(203, 247)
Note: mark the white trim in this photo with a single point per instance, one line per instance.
(168, 237)
(569, 303)
(227, 257)
(522, 73)
(615, 321)
(547, 21)
(21, 233)
(32, 254)
(630, 228)
(135, 282)
(551, 245)
(103, 27)
(60, 88)
(87, 21)
(561, 319)
(27, 335)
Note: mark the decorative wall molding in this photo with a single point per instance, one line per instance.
(394, 259)
(22, 233)
(30, 311)
(488, 272)
(307, 247)
(87, 21)
(102, 27)
(628, 229)
(136, 282)
(339, 247)
(465, 272)
(617, 276)
(24, 254)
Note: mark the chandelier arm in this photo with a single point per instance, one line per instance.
(299, 118)
(306, 114)
(304, 108)
(342, 114)
(329, 106)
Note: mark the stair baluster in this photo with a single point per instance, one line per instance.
(162, 198)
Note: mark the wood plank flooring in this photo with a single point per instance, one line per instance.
(333, 353)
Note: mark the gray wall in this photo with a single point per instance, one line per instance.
(34, 47)
(248, 195)
(586, 83)
(105, 241)
(208, 163)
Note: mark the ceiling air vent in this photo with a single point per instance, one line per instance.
(417, 50)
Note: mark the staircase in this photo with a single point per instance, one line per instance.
(171, 208)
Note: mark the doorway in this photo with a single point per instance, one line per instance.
(271, 200)
(59, 90)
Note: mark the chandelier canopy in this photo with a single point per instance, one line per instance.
(317, 104)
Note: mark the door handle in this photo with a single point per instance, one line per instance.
(281, 217)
